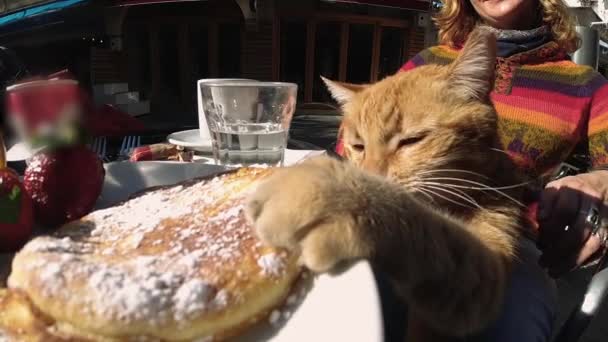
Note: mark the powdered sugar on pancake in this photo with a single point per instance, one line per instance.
(149, 258)
(271, 264)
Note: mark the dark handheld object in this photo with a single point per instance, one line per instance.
(581, 317)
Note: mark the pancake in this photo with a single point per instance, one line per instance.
(21, 321)
(178, 263)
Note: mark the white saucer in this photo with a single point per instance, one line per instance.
(190, 139)
(19, 152)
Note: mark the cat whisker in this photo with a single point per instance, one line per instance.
(499, 150)
(459, 192)
(492, 193)
(425, 194)
(453, 170)
(482, 187)
(455, 187)
(460, 195)
(449, 187)
(447, 199)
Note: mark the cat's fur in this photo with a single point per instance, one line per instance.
(447, 257)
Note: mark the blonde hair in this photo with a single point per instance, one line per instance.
(457, 19)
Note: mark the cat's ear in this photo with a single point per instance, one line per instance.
(472, 73)
(342, 92)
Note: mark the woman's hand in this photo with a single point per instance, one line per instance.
(565, 234)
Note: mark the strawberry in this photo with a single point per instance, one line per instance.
(16, 220)
(64, 184)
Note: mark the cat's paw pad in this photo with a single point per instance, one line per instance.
(290, 200)
(323, 248)
(296, 208)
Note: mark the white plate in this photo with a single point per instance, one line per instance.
(190, 139)
(341, 307)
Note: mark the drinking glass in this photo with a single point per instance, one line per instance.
(249, 121)
(203, 127)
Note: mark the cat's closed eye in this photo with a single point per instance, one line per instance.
(410, 140)
(358, 147)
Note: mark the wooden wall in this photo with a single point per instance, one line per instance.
(257, 51)
(416, 41)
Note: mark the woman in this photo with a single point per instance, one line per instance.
(547, 107)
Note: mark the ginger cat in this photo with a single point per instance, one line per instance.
(425, 195)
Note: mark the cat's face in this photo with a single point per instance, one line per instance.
(428, 119)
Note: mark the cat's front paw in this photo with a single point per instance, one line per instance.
(308, 207)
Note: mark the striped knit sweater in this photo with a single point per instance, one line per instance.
(546, 105)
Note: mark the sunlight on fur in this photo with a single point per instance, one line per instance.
(425, 193)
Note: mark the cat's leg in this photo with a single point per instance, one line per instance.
(450, 278)
(453, 276)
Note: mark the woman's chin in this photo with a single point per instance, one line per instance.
(504, 14)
